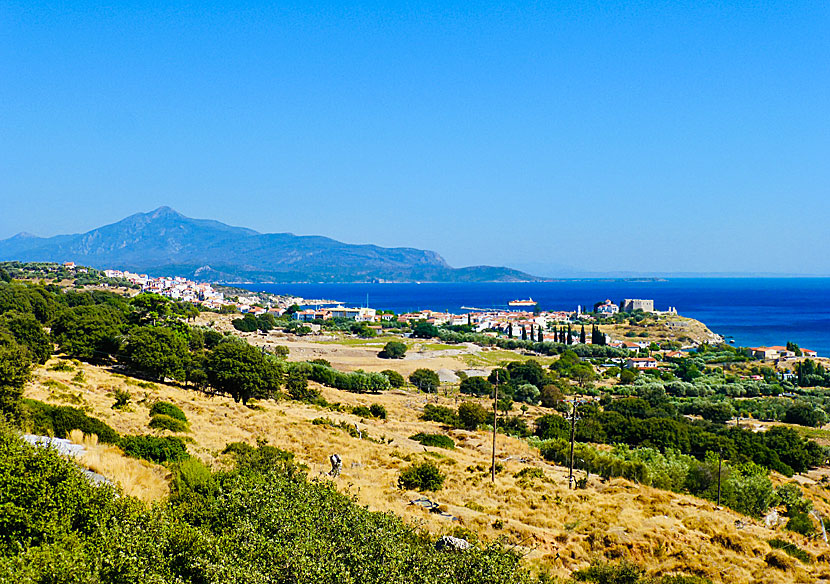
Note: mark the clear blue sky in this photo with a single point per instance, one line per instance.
(644, 136)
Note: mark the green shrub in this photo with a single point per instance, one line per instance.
(168, 409)
(377, 411)
(471, 415)
(122, 399)
(801, 523)
(190, 474)
(362, 411)
(683, 579)
(440, 414)
(159, 449)
(395, 378)
(438, 440)
(425, 379)
(530, 473)
(422, 476)
(791, 549)
(163, 422)
(345, 426)
(601, 572)
(241, 525)
(44, 497)
(58, 421)
(393, 350)
(61, 366)
(260, 458)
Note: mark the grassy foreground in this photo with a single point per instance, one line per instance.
(554, 529)
(264, 521)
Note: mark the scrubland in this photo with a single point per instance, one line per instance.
(556, 529)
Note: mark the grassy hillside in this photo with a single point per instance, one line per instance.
(556, 529)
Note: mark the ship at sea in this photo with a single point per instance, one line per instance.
(528, 302)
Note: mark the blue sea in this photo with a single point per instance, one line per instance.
(753, 311)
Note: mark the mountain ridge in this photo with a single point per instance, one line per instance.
(165, 242)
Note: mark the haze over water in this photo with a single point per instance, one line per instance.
(753, 311)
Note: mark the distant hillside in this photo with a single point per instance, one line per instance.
(164, 242)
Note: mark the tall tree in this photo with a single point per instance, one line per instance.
(15, 368)
(89, 332)
(582, 338)
(243, 371)
(159, 351)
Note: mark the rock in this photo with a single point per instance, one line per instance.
(771, 519)
(62, 445)
(452, 544)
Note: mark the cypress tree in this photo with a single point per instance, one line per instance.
(524, 333)
(541, 335)
(582, 335)
(510, 330)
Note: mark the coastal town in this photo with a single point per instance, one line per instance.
(535, 325)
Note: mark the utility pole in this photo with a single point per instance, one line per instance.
(571, 459)
(720, 452)
(495, 420)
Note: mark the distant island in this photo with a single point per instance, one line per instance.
(168, 243)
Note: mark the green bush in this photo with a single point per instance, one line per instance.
(238, 525)
(425, 379)
(260, 458)
(801, 523)
(395, 378)
(377, 411)
(44, 498)
(471, 415)
(530, 473)
(438, 440)
(58, 421)
(362, 411)
(163, 422)
(167, 409)
(61, 365)
(122, 399)
(440, 414)
(790, 548)
(159, 449)
(601, 572)
(421, 476)
(393, 350)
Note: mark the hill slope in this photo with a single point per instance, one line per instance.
(165, 242)
(554, 528)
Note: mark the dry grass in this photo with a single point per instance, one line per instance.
(560, 529)
(137, 478)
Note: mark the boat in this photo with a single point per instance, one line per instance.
(528, 302)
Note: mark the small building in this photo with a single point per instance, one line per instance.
(607, 308)
(764, 353)
(642, 363)
(632, 304)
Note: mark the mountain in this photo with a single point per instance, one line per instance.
(164, 242)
